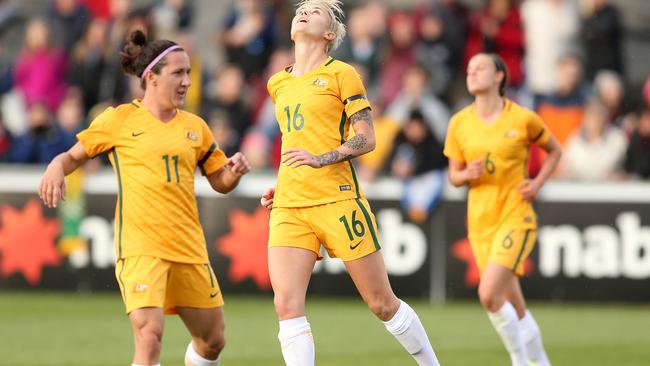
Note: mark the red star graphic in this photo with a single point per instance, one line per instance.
(246, 245)
(27, 241)
(462, 250)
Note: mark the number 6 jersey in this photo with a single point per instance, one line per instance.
(312, 111)
(156, 213)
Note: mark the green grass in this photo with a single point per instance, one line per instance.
(70, 329)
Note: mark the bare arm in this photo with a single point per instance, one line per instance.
(52, 186)
(461, 174)
(361, 143)
(530, 187)
(226, 179)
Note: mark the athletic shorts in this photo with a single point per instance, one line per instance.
(154, 282)
(509, 247)
(346, 229)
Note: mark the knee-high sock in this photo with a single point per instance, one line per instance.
(506, 323)
(193, 358)
(533, 340)
(297, 342)
(407, 328)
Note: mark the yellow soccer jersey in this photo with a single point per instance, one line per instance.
(155, 162)
(312, 111)
(504, 147)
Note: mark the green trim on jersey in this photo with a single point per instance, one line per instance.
(369, 223)
(521, 251)
(330, 61)
(120, 199)
(344, 118)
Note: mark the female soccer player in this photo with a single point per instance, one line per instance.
(155, 148)
(317, 198)
(487, 146)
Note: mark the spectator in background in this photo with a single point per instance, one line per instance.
(88, 62)
(69, 19)
(497, 28)
(41, 68)
(361, 47)
(609, 89)
(602, 36)
(399, 55)
(71, 113)
(170, 16)
(551, 30)
(435, 52)
(43, 141)
(226, 137)
(637, 157)
(596, 151)
(417, 159)
(415, 94)
(249, 36)
(5, 143)
(226, 93)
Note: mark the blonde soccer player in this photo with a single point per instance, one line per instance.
(487, 145)
(155, 148)
(317, 198)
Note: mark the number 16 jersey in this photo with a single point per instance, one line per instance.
(312, 111)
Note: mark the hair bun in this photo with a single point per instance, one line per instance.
(138, 38)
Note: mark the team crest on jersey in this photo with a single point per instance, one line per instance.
(511, 133)
(320, 83)
(192, 135)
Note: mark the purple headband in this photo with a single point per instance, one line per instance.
(158, 58)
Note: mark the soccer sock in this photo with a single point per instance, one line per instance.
(533, 340)
(297, 342)
(136, 364)
(506, 323)
(407, 328)
(195, 359)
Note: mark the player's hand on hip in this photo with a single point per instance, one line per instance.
(52, 187)
(238, 164)
(267, 198)
(474, 170)
(528, 189)
(298, 157)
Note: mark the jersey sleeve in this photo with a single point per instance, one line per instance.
(102, 133)
(453, 150)
(271, 87)
(536, 130)
(352, 91)
(211, 158)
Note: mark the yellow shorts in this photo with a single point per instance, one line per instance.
(509, 247)
(154, 282)
(347, 229)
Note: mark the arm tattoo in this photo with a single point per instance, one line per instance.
(357, 143)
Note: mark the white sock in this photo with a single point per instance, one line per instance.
(195, 359)
(137, 364)
(407, 328)
(297, 342)
(533, 340)
(506, 323)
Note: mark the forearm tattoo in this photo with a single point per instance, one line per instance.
(356, 144)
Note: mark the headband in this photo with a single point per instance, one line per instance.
(158, 58)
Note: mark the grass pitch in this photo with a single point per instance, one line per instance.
(38, 328)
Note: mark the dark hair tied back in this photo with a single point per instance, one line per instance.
(501, 66)
(132, 49)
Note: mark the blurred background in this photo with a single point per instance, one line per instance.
(583, 65)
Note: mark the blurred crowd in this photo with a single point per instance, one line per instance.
(565, 59)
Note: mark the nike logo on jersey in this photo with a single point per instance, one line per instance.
(214, 294)
(136, 134)
(353, 247)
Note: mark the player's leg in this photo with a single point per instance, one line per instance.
(142, 282)
(528, 327)
(207, 329)
(290, 269)
(498, 286)
(370, 278)
(194, 294)
(147, 324)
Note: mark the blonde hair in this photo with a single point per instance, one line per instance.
(335, 13)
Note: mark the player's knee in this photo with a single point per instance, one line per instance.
(210, 348)
(490, 301)
(149, 337)
(383, 309)
(288, 307)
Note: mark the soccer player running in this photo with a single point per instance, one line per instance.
(155, 148)
(488, 144)
(317, 198)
